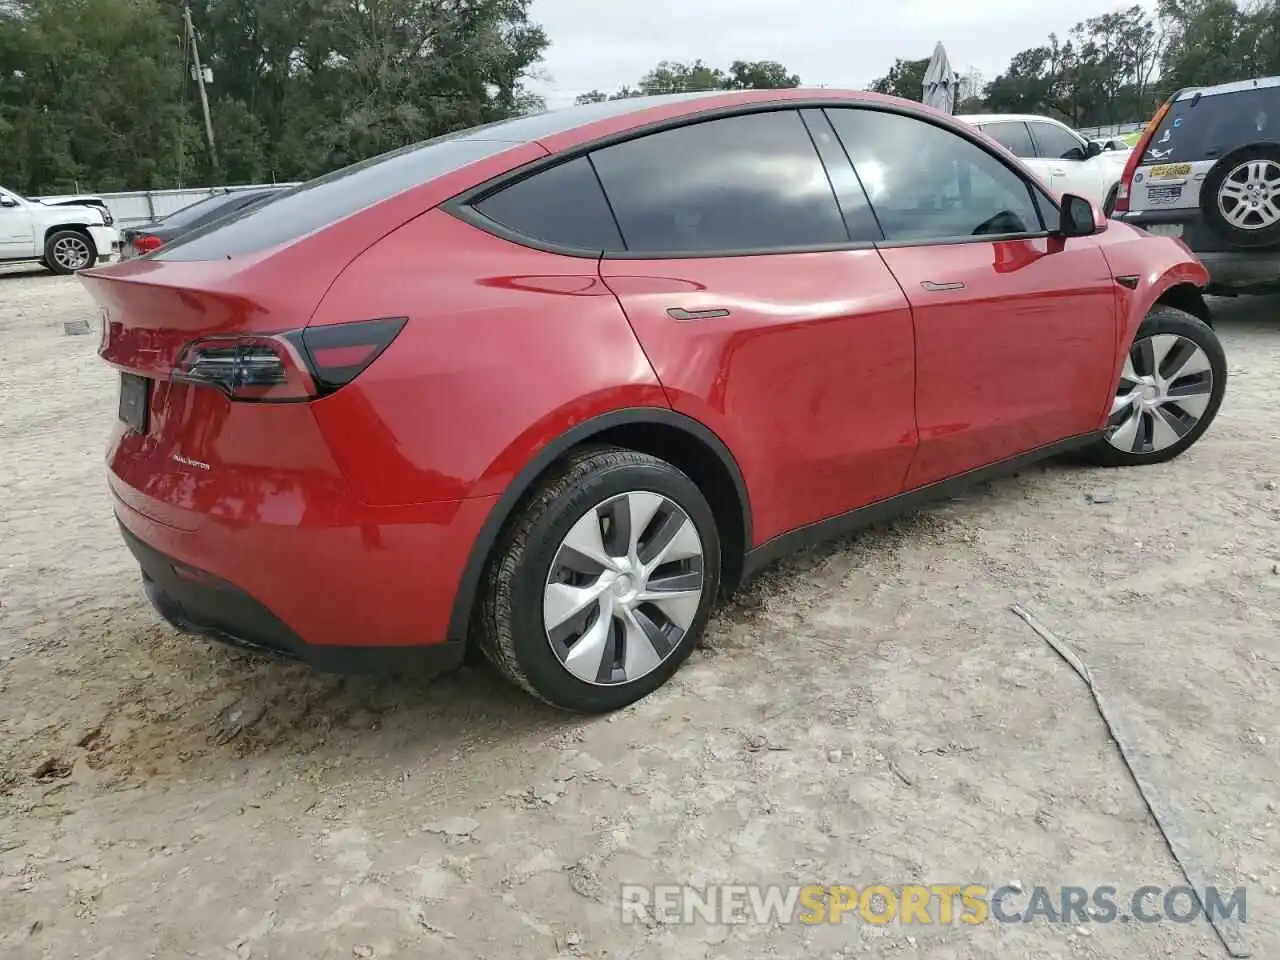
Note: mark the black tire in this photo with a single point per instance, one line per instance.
(1109, 205)
(1167, 320)
(1209, 195)
(56, 263)
(510, 615)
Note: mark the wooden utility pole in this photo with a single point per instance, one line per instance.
(204, 97)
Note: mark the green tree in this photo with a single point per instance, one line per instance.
(670, 76)
(905, 79)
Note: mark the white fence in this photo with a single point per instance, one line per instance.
(143, 206)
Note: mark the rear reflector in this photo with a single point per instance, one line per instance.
(279, 368)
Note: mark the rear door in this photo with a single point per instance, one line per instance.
(750, 277)
(1014, 136)
(1066, 156)
(1015, 329)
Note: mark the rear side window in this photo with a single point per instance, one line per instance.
(1208, 127)
(292, 214)
(1013, 136)
(1056, 143)
(739, 184)
(563, 206)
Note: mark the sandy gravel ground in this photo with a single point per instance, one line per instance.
(869, 712)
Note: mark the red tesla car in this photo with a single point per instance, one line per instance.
(552, 385)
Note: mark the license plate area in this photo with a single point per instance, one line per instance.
(135, 401)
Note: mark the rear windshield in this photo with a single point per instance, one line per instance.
(296, 212)
(1207, 127)
(196, 210)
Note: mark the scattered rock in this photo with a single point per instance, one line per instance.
(1014, 885)
(1272, 890)
(362, 952)
(835, 756)
(75, 328)
(573, 938)
(1098, 498)
(53, 768)
(453, 827)
(1084, 931)
(1270, 485)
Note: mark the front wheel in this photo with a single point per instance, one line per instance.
(1170, 389)
(67, 251)
(604, 583)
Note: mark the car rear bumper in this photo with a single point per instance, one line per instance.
(361, 598)
(1230, 271)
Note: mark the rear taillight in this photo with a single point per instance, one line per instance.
(1135, 157)
(284, 367)
(146, 243)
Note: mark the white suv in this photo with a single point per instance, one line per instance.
(1064, 160)
(64, 237)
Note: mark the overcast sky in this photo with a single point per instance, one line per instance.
(837, 43)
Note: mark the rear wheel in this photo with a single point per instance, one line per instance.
(1241, 196)
(1170, 389)
(66, 251)
(604, 583)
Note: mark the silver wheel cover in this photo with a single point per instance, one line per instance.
(1249, 198)
(72, 253)
(1164, 390)
(624, 588)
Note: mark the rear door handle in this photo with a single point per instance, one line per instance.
(679, 313)
(1058, 172)
(942, 287)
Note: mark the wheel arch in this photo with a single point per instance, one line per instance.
(1186, 297)
(684, 442)
(80, 228)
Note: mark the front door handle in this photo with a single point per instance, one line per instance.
(942, 287)
(679, 313)
(1058, 172)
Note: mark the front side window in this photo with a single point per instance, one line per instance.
(739, 184)
(1012, 135)
(928, 183)
(1054, 142)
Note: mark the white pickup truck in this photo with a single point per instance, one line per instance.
(62, 234)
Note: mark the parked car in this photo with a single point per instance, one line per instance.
(1061, 157)
(63, 237)
(149, 237)
(553, 385)
(1208, 172)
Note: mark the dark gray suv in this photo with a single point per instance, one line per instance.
(1207, 170)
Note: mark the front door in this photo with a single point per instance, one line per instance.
(1015, 329)
(760, 316)
(17, 229)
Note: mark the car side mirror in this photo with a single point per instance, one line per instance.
(1078, 218)
(8, 202)
(1093, 149)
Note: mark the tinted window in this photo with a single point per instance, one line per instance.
(198, 210)
(859, 221)
(927, 183)
(751, 182)
(563, 205)
(294, 213)
(1209, 127)
(1013, 136)
(1056, 143)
